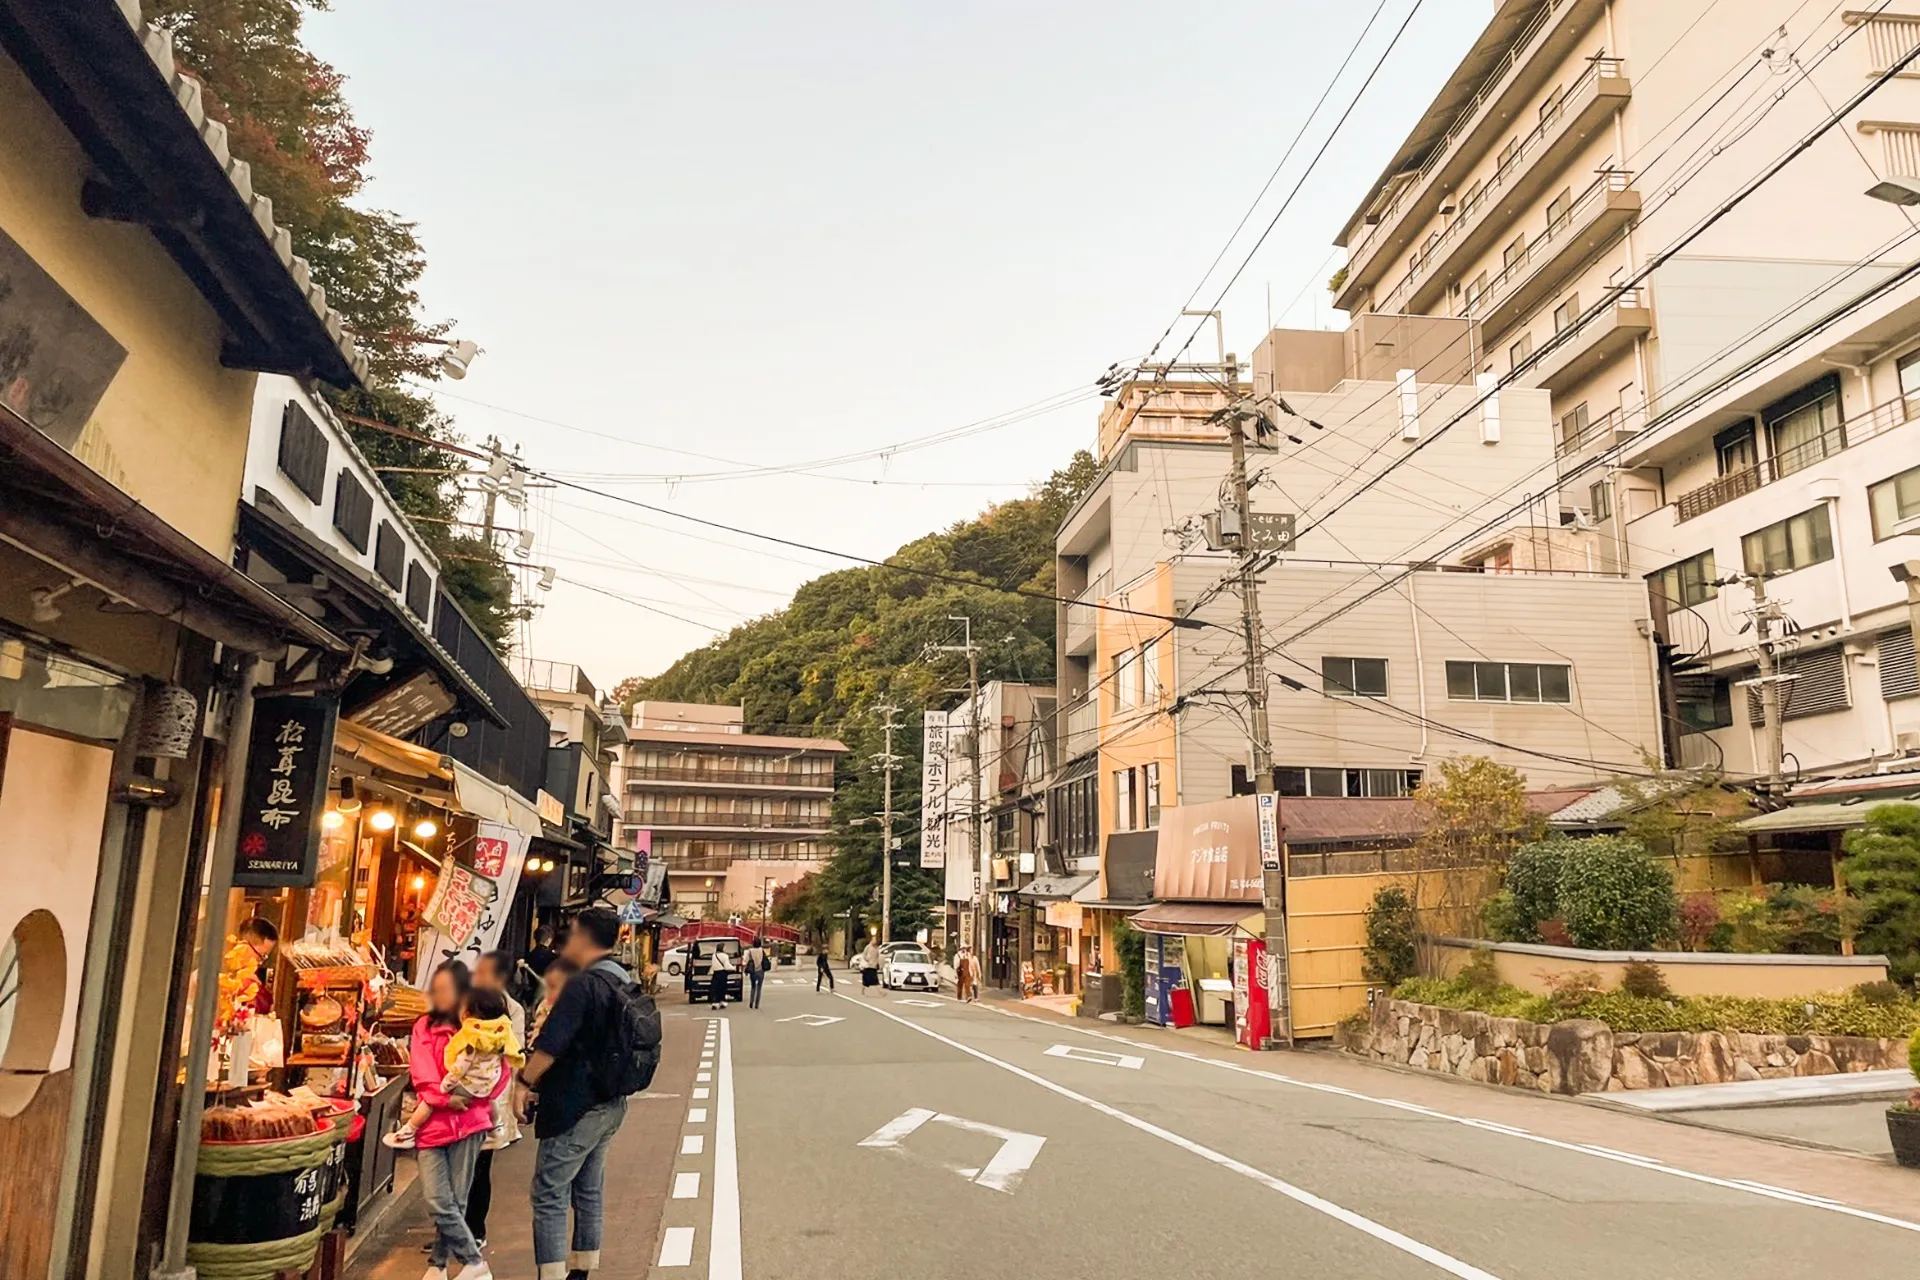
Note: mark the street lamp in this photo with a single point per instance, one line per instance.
(1897, 190)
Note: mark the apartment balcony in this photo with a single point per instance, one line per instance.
(1737, 484)
(1486, 215)
(1608, 428)
(682, 779)
(1083, 729)
(729, 822)
(1598, 214)
(1594, 344)
(1439, 168)
(1082, 626)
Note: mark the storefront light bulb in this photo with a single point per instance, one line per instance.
(425, 829)
(419, 883)
(331, 819)
(381, 820)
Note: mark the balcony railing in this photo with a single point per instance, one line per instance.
(732, 777)
(1736, 484)
(742, 821)
(1517, 54)
(1083, 728)
(1465, 219)
(1081, 620)
(1574, 220)
(1600, 428)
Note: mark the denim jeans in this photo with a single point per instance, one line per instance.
(446, 1178)
(571, 1169)
(754, 980)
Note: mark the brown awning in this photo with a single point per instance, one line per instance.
(1205, 919)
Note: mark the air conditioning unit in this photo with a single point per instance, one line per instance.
(1907, 742)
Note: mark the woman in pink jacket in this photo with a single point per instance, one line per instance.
(448, 1144)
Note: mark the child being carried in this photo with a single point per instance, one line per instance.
(478, 1053)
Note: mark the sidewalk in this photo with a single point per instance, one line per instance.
(638, 1169)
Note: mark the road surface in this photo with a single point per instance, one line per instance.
(835, 1136)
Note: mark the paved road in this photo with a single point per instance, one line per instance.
(841, 1137)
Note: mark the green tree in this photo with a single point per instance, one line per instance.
(1533, 881)
(1472, 817)
(1615, 896)
(1882, 869)
(1392, 929)
(1681, 814)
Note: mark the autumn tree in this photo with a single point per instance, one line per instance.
(1473, 815)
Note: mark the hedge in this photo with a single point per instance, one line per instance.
(1832, 1015)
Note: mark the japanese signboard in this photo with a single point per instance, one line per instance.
(1269, 831)
(469, 906)
(1209, 853)
(1272, 530)
(402, 708)
(933, 792)
(288, 755)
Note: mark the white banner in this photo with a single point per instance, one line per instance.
(933, 792)
(497, 853)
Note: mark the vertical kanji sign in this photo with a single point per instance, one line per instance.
(288, 755)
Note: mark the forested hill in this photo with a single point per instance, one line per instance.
(851, 636)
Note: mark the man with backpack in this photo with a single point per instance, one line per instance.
(600, 1043)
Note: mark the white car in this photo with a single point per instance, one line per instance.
(909, 968)
(673, 962)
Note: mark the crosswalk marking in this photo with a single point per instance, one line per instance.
(676, 1247)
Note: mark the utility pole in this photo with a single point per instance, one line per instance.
(493, 490)
(1765, 613)
(982, 868)
(887, 763)
(1273, 853)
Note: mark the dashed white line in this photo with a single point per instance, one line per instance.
(701, 1093)
(692, 1145)
(676, 1247)
(686, 1186)
(696, 1115)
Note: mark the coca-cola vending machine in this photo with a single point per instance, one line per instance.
(1252, 1014)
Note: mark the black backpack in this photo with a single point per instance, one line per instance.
(630, 1052)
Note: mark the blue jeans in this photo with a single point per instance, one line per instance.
(754, 979)
(446, 1177)
(572, 1169)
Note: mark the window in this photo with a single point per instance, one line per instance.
(1513, 253)
(1685, 584)
(1296, 780)
(389, 555)
(1559, 209)
(1150, 794)
(1702, 702)
(419, 590)
(1470, 198)
(1600, 501)
(1150, 673)
(1818, 687)
(1566, 313)
(1805, 427)
(1476, 290)
(1893, 501)
(1794, 543)
(1573, 426)
(1354, 677)
(1519, 351)
(1890, 37)
(1551, 107)
(1125, 680)
(1509, 682)
(1005, 832)
(1123, 810)
(1734, 449)
(303, 451)
(1501, 561)
(1507, 154)
(1910, 380)
(352, 510)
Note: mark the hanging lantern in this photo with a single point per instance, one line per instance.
(169, 718)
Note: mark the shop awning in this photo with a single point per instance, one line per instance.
(1054, 888)
(1204, 919)
(392, 755)
(487, 799)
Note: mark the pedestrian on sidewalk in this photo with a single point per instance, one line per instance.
(490, 973)
(966, 975)
(870, 966)
(576, 1118)
(822, 968)
(758, 962)
(448, 1143)
(717, 978)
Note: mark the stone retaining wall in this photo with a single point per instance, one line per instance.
(1582, 1056)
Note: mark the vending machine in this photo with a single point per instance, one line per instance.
(1252, 1009)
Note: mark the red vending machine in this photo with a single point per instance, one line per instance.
(1252, 1009)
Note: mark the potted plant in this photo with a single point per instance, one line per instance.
(1903, 1119)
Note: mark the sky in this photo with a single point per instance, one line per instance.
(703, 238)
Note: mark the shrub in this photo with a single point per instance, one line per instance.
(1832, 1015)
(1498, 918)
(1699, 921)
(1615, 896)
(1533, 880)
(1880, 993)
(1643, 978)
(1391, 932)
(1132, 946)
(1571, 989)
(1883, 868)
(1479, 974)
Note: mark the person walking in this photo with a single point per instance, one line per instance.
(758, 962)
(966, 975)
(490, 973)
(870, 966)
(822, 968)
(542, 954)
(448, 1143)
(717, 978)
(575, 1122)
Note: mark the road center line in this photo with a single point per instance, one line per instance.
(1384, 1234)
(723, 1245)
(1599, 1153)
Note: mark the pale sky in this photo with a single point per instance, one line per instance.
(774, 231)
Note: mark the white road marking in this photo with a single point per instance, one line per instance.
(701, 1093)
(812, 1019)
(686, 1186)
(692, 1145)
(1386, 1235)
(696, 1115)
(676, 1247)
(1101, 1056)
(1002, 1173)
(723, 1247)
(704, 1077)
(1599, 1153)
(924, 1004)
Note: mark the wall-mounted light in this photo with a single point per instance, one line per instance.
(332, 819)
(425, 829)
(419, 883)
(381, 820)
(349, 798)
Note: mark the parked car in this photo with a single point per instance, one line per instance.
(699, 969)
(858, 958)
(909, 968)
(674, 962)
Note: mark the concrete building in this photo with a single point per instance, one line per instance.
(578, 805)
(1743, 408)
(733, 815)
